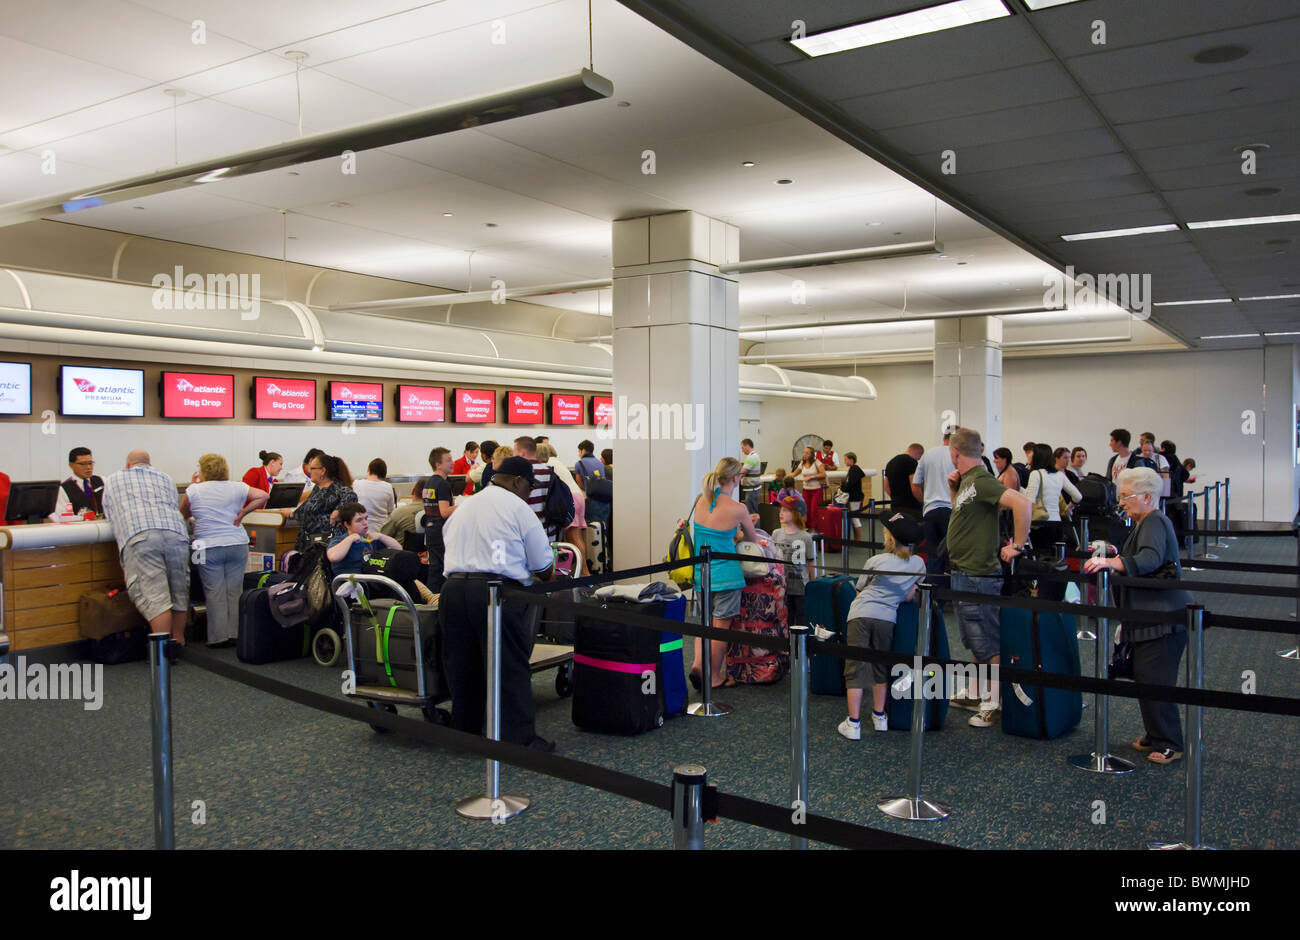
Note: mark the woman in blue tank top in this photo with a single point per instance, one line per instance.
(715, 519)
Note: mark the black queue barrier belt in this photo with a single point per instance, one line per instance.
(1275, 705)
(1250, 623)
(741, 809)
(1246, 566)
(1235, 533)
(594, 580)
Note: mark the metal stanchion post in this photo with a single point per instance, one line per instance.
(1205, 522)
(164, 805)
(871, 523)
(706, 707)
(1218, 522)
(492, 804)
(689, 781)
(799, 724)
(1294, 652)
(1100, 761)
(846, 519)
(1084, 633)
(1195, 680)
(914, 805)
(1227, 507)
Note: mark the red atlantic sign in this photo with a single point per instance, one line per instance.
(524, 407)
(198, 395)
(284, 399)
(602, 410)
(475, 406)
(421, 403)
(567, 409)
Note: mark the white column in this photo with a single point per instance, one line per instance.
(676, 371)
(968, 376)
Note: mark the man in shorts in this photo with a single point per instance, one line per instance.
(142, 505)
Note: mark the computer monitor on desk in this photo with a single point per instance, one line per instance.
(32, 501)
(285, 495)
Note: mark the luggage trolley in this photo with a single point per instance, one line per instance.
(557, 655)
(430, 687)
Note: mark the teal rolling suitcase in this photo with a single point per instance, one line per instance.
(827, 602)
(935, 689)
(1047, 641)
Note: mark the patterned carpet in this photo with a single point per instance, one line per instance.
(272, 774)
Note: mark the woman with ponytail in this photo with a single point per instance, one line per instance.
(318, 514)
(717, 521)
(261, 478)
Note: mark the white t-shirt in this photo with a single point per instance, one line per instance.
(378, 498)
(932, 476)
(214, 504)
(1051, 485)
(805, 474)
(495, 533)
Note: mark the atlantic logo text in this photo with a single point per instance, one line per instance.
(274, 389)
(185, 385)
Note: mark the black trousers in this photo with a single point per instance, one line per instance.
(935, 527)
(1157, 661)
(1043, 536)
(463, 606)
(434, 546)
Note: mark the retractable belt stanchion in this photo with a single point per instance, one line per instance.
(1227, 507)
(1205, 514)
(706, 707)
(1195, 680)
(846, 518)
(1218, 521)
(1294, 652)
(1084, 545)
(1100, 761)
(492, 804)
(914, 805)
(689, 783)
(164, 827)
(799, 725)
(871, 523)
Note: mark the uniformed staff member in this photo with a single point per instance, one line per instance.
(494, 536)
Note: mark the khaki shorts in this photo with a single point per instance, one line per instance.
(157, 569)
(872, 634)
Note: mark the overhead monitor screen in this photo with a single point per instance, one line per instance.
(474, 406)
(197, 395)
(524, 407)
(15, 388)
(421, 403)
(284, 399)
(602, 410)
(85, 391)
(360, 400)
(568, 409)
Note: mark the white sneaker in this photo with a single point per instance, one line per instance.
(850, 730)
(881, 722)
(984, 718)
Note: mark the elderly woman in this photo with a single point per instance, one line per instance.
(1151, 550)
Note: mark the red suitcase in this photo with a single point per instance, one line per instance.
(830, 523)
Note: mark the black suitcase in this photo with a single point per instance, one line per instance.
(616, 685)
(257, 579)
(1099, 498)
(261, 639)
(384, 650)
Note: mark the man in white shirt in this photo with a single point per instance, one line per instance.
(1119, 441)
(829, 459)
(750, 487)
(493, 537)
(930, 487)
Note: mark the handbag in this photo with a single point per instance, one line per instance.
(1040, 509)
(841, 498)
(1121, 661)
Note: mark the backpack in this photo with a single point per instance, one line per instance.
(308, 599)
(682, 546)
(559, 510)
(1023, 472)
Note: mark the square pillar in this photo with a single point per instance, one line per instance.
(968, 376)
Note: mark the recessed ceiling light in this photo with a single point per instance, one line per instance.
(963, 262)
(489, 225)
(1217, 54)
(1044, 4)
(1287, 333)
(901, 26)
(138, 207)
(1192, 303)
(173, 93)
(296, 55)
(1241, 148)
(292, 238)
(1274, 297)
(446, 215)
(748, 163)
(625, 104)
(784, 182)
(1120, 232)
(1255, 220)
(294, 173)
(1232, 336)
(874, 224)
(340, 205)
(1277, 241)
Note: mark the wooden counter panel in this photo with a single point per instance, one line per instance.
(109, 570)
(104, 551)
(45, 557)
(43, 577)
(44, 636)
(51, 596)
(36, 617)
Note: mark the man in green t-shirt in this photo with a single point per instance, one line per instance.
(973, 556)
(751, 488)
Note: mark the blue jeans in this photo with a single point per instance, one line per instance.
(980, 624)
(222, 574)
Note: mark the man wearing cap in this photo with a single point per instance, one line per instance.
(872, 617)
(493, 537)
(973, 556)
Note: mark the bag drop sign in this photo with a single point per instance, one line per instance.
(198, 395)
(291, 399)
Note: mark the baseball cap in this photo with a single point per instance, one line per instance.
(519, 467)
(904, 529)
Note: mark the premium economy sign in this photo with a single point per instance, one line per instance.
(524, 407)
(284, 399)
(421, 403)
(567, 409)
(15, 388)
(475, 406)
(117, 393)
(198, 395)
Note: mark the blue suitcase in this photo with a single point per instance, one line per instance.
(935, 688)
(827, 602)
(672, 667)
(1047, 641)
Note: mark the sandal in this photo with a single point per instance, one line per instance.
(725, 684)
(1142, 744)
(1165, 755)
(695, 679)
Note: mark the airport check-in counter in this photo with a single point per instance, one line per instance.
(833, 480)
(44, 570)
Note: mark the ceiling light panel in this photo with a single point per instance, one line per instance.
(1120, 232)
(1254, 220)
(903, 26)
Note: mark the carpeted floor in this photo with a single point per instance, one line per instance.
(271, 774)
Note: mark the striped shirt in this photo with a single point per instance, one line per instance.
(141, 498)
(537, 496)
